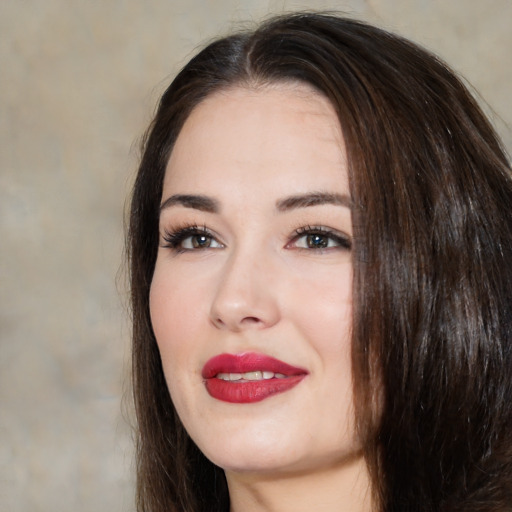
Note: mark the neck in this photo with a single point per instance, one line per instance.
(344, 487)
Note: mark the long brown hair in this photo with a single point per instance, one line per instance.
(432, 218)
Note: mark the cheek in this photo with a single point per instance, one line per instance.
(175, 317)
(322, 303)
(176, 295)
(323, 309)
(176, 312)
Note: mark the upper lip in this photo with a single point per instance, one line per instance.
(247, 362)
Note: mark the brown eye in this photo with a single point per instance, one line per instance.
(191, 238)
(199, 241)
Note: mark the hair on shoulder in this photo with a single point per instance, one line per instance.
(432, 339)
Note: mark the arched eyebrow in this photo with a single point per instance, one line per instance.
(197, 202)
(313, 199)
(211, 205)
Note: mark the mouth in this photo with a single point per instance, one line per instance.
(248, 377)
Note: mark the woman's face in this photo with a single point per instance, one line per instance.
(251, 299)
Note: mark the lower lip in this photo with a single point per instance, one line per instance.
(247, 392)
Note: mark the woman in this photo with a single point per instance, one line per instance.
(320, 248)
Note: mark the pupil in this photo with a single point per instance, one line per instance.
(201, 241)
(317, 241)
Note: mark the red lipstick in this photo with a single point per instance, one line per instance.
(248, 377)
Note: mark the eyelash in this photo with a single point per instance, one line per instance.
(175, 238)
(342, 241)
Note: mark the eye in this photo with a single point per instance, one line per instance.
(191, 238)
(318, 238)
(198, 241)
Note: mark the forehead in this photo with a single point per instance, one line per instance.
(287, 135)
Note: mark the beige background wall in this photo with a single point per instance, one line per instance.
(78, 81)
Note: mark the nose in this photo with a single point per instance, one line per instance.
(246, 295)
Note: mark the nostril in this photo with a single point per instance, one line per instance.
(218, 322)
(251, 320)
(246, 322)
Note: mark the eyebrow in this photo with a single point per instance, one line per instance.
(312, 199)
(210, 205)
(203, 203)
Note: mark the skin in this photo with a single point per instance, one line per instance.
(257, 285)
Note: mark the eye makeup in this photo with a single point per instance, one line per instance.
(194, 237)
(319, 237)
(189, 238)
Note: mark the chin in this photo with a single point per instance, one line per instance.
(248, 448)
(254, 450)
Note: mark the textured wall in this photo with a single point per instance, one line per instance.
(79, 80)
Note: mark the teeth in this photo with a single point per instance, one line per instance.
(257, 375)
(229, 376)
(252, 376)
